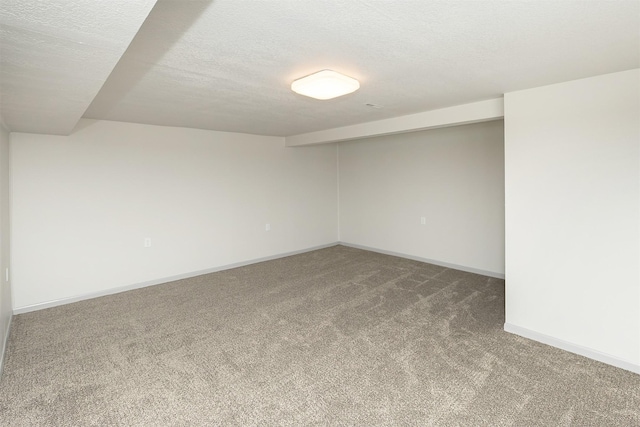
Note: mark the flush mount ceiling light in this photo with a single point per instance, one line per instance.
(325, 84)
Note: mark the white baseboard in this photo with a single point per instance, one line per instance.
(63, 301)
(573, 348)
(5, 342)
(427, 260)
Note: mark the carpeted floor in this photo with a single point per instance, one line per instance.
(338, 336)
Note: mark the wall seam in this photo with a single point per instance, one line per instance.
(338, 190)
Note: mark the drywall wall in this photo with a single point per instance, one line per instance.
(573, 214)
(5, 286)
(453, 177)
(85, 203)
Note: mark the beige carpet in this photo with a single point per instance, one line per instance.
(336, 337)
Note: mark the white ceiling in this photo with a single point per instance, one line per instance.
(56, 55)
(228, 64)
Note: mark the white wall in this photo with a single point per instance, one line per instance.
(453, 176)
(83, 205)
(5, 287)
(573, 215)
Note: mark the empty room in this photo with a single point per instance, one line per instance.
(318, 212)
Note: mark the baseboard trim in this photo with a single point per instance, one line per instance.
(427, 260)
(573, 348)
(5, 343)
(64, 301)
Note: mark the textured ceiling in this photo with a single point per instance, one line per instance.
(56, 55)
(227, 64)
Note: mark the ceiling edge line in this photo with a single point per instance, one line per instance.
(492, 109)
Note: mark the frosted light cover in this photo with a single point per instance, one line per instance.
(325, 84)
